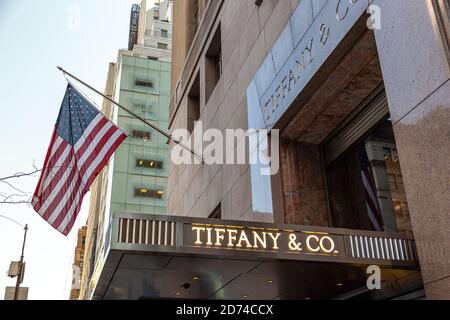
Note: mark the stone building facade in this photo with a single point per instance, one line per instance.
(347, 99)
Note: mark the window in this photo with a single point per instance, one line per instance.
(148, 193)
(151, 164)
(364, 180)
(142, 108)
(193, 113)
(153, 58)
(145, 135)
(164, 33)
(162, 46)
(144, 83)
(213, 61)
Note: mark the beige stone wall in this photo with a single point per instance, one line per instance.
(184, 26)
(248, 33)
(416, 71)
(415, 68)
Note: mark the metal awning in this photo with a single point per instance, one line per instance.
(152, 257)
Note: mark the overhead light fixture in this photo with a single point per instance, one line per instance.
(245, 296)
(144, 190)
(195, 278)
(307, 298)
(178, 293)
(269, 281)
(339, 284)
(159, 192)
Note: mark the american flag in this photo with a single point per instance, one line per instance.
(82, 143)
(370, 191)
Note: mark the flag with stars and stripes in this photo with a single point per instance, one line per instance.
(82, 143)
(370, 190)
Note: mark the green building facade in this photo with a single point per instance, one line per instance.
(139, 177)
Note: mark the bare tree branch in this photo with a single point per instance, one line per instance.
(15, 197)
(15, 202)
(6, 198)
(21, 174)
(11, 186)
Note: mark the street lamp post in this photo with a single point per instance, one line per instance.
(21, 263)
(19, 275)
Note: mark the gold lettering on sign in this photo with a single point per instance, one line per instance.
(220, 236)
(308, 243)
(324, 244)
(197, 230)
(275, 240)
(243, 238)
(231, 237)
(330, 243)
(257, 239)
(208, 237)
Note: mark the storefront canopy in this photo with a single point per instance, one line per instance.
(153, 257)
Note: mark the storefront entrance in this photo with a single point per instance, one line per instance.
(363, 174)
(339, 165)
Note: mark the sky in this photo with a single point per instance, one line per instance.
(82, 36)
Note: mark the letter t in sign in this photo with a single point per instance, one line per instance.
(198, 229)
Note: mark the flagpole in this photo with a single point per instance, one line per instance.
(161, 131)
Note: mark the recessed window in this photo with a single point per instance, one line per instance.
(164, 33)
(142, 108)
(193, 113)
(151, 164)
(162, 46)
(144, 83)
(148, 193)
(213, 61)
(139, 134)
